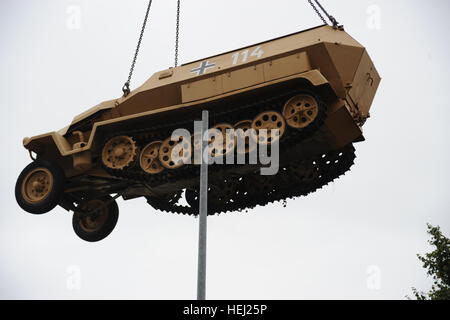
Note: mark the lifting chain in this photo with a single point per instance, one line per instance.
(177, 33)
(331, 18)
(126, 86)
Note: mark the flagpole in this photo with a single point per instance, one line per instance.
(203, 207)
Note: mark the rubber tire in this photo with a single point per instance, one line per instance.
(105, 230)
(53, 198)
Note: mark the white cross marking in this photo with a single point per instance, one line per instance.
(203, 67)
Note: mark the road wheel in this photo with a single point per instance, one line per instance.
(40, 186)
(223, 146)
(242, 132)
(149, 158)
(167, 156)
(271, 121)
(100, 223)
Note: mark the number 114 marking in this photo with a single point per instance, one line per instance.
(258, 52)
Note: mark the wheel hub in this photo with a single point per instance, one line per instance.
(93, 222)
(37, 185)
(119, 152)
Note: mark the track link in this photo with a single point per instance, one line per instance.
(280, 187)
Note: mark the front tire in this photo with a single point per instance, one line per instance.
(40, 186)
(98, 225)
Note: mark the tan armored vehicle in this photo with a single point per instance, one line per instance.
(316, 87)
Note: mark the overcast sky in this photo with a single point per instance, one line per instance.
(356, 238)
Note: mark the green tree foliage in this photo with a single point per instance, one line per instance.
(437, 264)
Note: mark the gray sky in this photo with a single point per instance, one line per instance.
(356, 238)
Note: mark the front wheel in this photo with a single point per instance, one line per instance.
(96, 219)
(40, 186)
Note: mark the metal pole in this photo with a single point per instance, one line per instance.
(201, 276)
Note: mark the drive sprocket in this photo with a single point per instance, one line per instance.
(119, 152)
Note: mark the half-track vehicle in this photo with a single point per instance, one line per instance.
(315, 87)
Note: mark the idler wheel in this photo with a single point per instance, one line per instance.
(300, 111)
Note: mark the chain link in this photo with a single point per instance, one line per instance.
(331, 18)
(126, 86)
(317, 11)
(177, 33)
